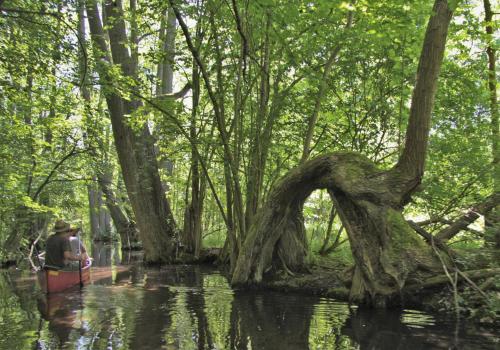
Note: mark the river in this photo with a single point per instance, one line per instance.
(128, 306)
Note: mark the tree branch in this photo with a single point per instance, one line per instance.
(54, 169)
(412, 160)
(469, 217)
(244, 40)
(427, 236)
(176, 95)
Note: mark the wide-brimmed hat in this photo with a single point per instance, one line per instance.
(61, 226)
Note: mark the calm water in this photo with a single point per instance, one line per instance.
(186, 307)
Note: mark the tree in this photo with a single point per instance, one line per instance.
(40, 139)
(135, 148)
(369, 200)
(493, 219)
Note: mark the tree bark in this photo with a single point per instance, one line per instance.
(192, 235)
(135, 149)
(412, 160)
(386, 250)
(125, 227)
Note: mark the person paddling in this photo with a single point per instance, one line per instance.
(77, 247)
(58, 254)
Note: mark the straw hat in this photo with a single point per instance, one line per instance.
(61, 226)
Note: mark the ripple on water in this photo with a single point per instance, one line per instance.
(192, 308)
(417, 319)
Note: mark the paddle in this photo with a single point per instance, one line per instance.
(38, 256)
(79, 261)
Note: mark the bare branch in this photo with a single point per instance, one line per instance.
(72, 153)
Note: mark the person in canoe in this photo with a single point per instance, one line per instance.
(77, 247)
(58, 253)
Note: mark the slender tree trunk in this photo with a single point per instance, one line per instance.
(320, 95)
(412, 160)
(256, 168)
(192, 235)
(231, 173)
(135, 150)
(234, 199)
(92, 190)
(493, 218)
(93, 211)
(104, 218)
(167, 77)
(134, 40)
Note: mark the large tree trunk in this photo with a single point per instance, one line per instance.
(125, 227)
(135, 149)
(387, 252)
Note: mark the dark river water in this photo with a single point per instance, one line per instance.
(128, 306)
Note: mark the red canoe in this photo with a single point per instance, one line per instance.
(52, 281)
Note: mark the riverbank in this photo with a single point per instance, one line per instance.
(481, 307)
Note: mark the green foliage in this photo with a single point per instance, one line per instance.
(41, 139)
(472, 305)
(365, 107)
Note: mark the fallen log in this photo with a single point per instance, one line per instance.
(443, 279)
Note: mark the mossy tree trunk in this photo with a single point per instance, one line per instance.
(387, 252)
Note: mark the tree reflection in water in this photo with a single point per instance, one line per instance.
(191, 307)
(270, 321)
(412, 330)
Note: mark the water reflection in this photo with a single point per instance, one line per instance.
(128, 306)
(105, 254)
(271, 321)
(61, 311)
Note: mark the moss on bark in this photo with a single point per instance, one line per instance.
(385, 248)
